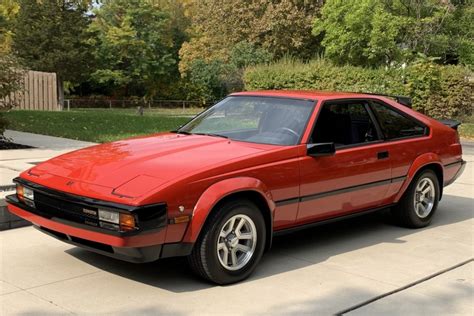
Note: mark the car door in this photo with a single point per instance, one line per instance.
(405, 138)
(353, 179)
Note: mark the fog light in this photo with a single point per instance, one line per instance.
(127, 222)
(109, 216)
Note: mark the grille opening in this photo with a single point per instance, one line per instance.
(92, 244)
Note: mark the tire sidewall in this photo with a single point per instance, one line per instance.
(218, 272)
(421, 222)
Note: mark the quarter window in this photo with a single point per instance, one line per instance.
(344, 123)
(395, 125)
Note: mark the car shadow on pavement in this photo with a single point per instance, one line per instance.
(319, 243)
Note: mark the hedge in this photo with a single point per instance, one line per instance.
(439, 91)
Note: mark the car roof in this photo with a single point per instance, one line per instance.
(304, 94)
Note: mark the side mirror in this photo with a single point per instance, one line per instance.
(321, 149)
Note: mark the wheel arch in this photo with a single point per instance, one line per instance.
(224, 191)
(429, 161)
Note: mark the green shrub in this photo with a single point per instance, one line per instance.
(11, 80)
(439, 91)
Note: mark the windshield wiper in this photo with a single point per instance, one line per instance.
(177, 131)
(211, 134)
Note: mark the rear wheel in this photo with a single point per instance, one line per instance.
(231, 243)
(420, 201)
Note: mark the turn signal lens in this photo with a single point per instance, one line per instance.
(20, 192)
(127, 222)
(25, 195)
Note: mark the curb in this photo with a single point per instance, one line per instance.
(9, 220)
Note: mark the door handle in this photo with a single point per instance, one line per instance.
(382, 155)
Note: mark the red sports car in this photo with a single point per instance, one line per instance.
(254, 165)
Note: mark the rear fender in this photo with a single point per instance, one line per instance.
(219, 191)
(420, 162)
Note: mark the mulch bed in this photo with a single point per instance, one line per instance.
(5, 145)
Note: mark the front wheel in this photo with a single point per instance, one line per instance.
(419, 203)
(231, 243)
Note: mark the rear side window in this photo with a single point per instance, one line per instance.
(344, 123)
(395, 125)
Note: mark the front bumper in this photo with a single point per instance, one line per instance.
(139, 246)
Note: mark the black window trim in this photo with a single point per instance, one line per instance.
(407, 116)
(369, 102)
(365, 102)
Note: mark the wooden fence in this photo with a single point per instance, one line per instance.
(39, 92)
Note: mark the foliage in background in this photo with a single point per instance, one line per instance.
(197, 49)
(278, 26)
(49, 35)
(8, 11)
(380, 32)
(439, 91)
(136, 45)
(211, 80)
(11, 79)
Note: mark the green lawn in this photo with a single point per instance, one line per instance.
(189, 111)
(103, 125)
(466, 130)
(95, 125)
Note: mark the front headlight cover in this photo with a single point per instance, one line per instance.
(109, 216)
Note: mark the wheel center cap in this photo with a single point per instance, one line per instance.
(232, 240)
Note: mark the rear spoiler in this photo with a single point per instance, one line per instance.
(451, 123)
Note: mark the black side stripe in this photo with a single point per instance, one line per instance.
(338, 191)
(453, 164)
(287, 201)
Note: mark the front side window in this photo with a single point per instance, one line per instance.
(344, 123)
(265, 120)
(395, 125)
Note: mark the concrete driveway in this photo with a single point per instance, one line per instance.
(325, 270)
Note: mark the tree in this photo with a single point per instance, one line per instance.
(135, 44)
(49, 35)
(358, 32)
(277, 26)
(210, 80)
(380, 32)
(8, 10)
(11, 79)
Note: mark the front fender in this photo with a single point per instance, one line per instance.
(420, 162)
(216, 193)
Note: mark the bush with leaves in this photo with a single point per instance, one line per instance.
(439, 91)
(11, 79)
(210, 80)
(372, 33)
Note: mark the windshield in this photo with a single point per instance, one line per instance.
(265, 120)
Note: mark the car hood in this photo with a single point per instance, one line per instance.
(149, 161)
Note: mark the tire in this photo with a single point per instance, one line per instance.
(205, 259)
(408, 212)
